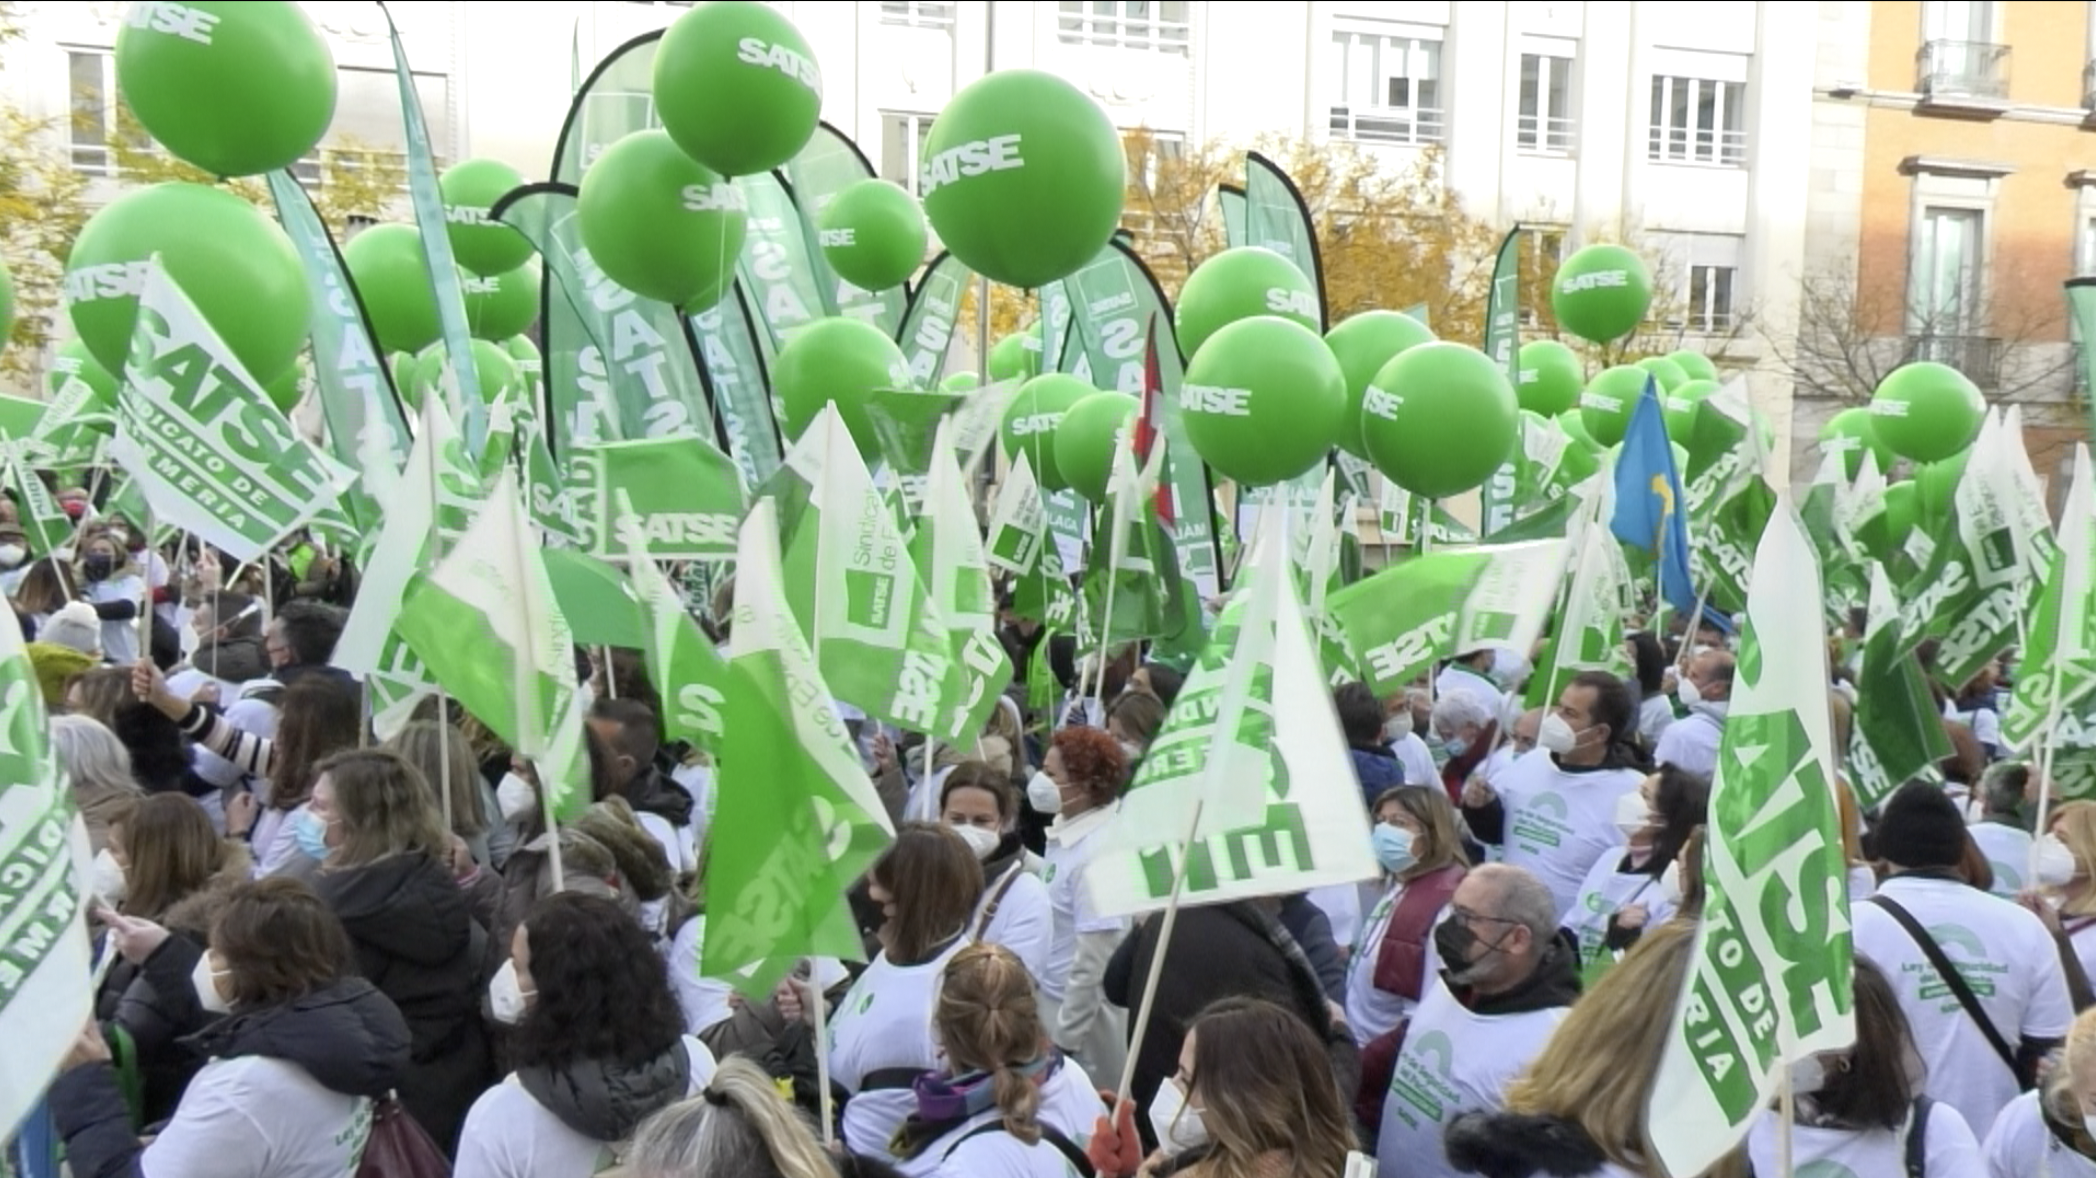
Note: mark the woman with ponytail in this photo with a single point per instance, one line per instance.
(1008, 1104)
(738, 1125)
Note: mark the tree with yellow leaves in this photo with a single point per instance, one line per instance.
(40, 211)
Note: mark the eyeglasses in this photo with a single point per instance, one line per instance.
(1468, 917)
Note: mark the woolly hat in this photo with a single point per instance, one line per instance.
(55, 666)
(75, 625)
(1921, 827)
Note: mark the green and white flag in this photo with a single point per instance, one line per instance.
(797, 820)
(1771, 976)
(686, 496)
(1589, 631)
(484, 623)
(45, 992)
(1435, 606)
(1127, 588)
(1254, 738)
(2058, 673)
(1402, 517)
(1018, 543)
(210, 452)
(44, 523)
(849, 577)
(75, 422)
(689, 675)
(1972, 595)
(1898, 730)
(948, 552)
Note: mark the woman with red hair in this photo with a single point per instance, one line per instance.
(1081, 778)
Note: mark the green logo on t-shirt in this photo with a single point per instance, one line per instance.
(1541, 823)
(1422, 1081)
(1969, 954)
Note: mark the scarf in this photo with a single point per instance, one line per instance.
(945, 1103)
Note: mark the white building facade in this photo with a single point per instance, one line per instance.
(1684, 124)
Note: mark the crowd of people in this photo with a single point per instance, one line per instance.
(306, 930)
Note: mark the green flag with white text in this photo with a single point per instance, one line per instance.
(1017, 543)
(1438, 605)
(687, 496)
(689, 675)
(2058, 670)
(1897, 733)
(948, 552)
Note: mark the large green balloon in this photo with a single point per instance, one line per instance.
(1551, 377)
(1887, 534)
(1031, 419)
(1023, 177)
(1440, 419)
(837, 360)
(1696, 364)
(492, 365)
(7, 303)
(960, 382)
(233, 263)
(236, 89)
(392, 273)
(1263, 400)
(1670, 375)
(286, 391)
(1679, 408)
(1601, 293)
(1086, 440)
(1017, 356)
(1926, 411)
(658, 223)
(1574, 424)
(1364, 343)
(1850, 434)
(1609, 400)
(1936, 489)
(1238, 284)
(873, 234)
(502, 306)
(470, 189)
(737, 86)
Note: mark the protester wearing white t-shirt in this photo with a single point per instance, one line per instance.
(1082, 774)
(2005, 955)
(1015, 910)
(2042, 1134)
(114, 586)
(880, 1036)
(1692, 742)
(1555, 814)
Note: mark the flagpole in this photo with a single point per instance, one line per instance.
(1122, 1091)
(815, 628)
(2046, 745)
(1786, 1119)
(145, 605)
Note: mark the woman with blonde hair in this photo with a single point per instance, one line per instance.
(2051, 1132)
(739, 1125)
(445, 758)
(1008, 1105)
(1578, 1111)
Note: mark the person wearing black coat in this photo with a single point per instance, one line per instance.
(1235, 950)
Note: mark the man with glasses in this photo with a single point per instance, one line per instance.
(1507, 980)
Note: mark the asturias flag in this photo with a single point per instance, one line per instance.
(1649, 500)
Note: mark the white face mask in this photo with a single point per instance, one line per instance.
(2056, 864)
(1133, 750)
(1807, 1075)
(1687, 692)
(205, 979)
(1673, 883)
(1631, 814)
(515, 796)
(1397, 727)
(1043, 794)
(12, 555)
(507, 1000)
(1178, 1125)
(1555, 735)
(106, 877)
(980, 839)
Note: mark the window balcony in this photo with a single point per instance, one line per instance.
(1413, 126)
(1977, 356)
(1963, 79)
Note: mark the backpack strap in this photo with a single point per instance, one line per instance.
(989, 912)
(1953, 981)
(1049, 1133)
(1918, 1138)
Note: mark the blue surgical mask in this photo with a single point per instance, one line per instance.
(1455, 747)
(311, 832)
(1393, 848)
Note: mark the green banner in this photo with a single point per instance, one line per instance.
(1501, 494)
(686, 496)
(928, 325)
(731, 358)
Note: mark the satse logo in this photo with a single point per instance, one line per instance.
(179, 20)
(1594, 281)
(713, 198)
(757, 51)
(997, 154)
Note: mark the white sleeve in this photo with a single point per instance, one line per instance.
(2051, 1011)
(1986, 727)
(483, 1150)
(1025, 923)
(212, 1135)
(2000, 1147)
(1949, 1150)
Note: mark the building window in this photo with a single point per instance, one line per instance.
(902, 146)
(1709, 306)
(1944, 295)
(1388, 88)
(1158, 25)
(90, 73)
(1149, 151)
(916, 15)
(1542, 251)
(2085, 259)
(367, 112)
(1545, 122)
(1699, 121)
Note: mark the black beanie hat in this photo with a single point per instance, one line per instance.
(1921, 827)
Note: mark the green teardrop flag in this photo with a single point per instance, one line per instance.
(1363, 343)
(233, 262)
(737, 87)
(470, 188)
(1851, 433)
(1238, 284)
(1031, 419)
(1606, 405)
(1023, 177)
(839, 360)
(502, 306)
(873, 234)
(1551, 377)
(1086, 439)
(235, 89)
(1440, 419)
(1926, 411)
(1601, 293)
(661, 224)
(1263, 400)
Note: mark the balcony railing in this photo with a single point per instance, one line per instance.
(1962, 69)
(1543, 134)
(1977, 356)
(1412, 125)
